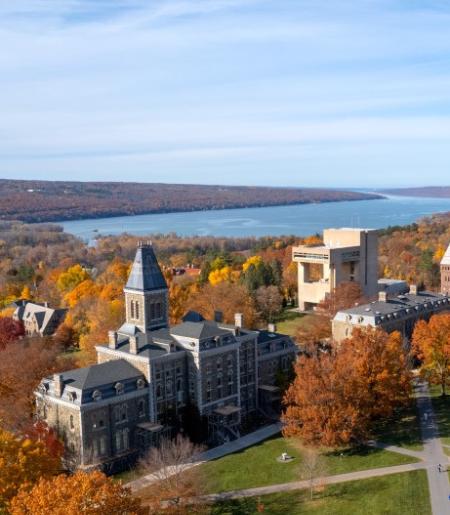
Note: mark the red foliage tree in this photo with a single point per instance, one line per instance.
(10, 331)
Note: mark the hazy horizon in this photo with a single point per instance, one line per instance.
(246, 92)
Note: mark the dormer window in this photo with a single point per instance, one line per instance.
(97, 395)
(119, 388)
(140, 383)
(72, 396)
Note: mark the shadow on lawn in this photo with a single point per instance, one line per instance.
(441, 407)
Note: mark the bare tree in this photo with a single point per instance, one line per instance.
(171, 464)
(269, 301)
(313, 469)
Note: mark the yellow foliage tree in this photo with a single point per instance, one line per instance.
(71, 278)
(253, 260)
(84, 289)
(221, 275)
(88, 493)
(22, 463)
(439, 254)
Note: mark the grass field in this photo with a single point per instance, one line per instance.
(398, 494)
(257, 465)
(290, 322)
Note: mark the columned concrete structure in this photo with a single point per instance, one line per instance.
(346, 255)
(445, 273)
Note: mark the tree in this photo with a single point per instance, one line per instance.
(169, 463)
(65, 336)
(313, 331)
(71, 278)
(88, 493)
(269, 301)
(431, 344)
(336, 396)
(22, 366)
(10, 331)
(22, 462)
(344, 296)
(312, 468)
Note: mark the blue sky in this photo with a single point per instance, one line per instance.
(281, 92)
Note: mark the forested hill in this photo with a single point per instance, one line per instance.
(46, 201)
(426, 191)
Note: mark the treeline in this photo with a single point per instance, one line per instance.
(427, 191)
(46, 201)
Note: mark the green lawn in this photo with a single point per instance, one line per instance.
(398, 494)
(289, 323)
(402, 430)
(257, 465)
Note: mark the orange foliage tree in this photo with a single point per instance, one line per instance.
(89, 493)
(22, 462)
(431, 344)
(336, 397)
(344, 296)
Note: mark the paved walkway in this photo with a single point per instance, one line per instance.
(300, 485)
(434, 455)
(399, 450)
(212, 454)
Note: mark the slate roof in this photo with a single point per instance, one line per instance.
(145, 273)
(98, 375)
(198, 330)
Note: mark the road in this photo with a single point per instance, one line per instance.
(433, 453)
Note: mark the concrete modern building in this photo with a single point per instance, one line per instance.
(38, 319)
(445, 272)
(149, 375)
(397, 313)
(346, 255)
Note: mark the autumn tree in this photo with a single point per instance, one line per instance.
(90, 493)
(431, 344)
(336, 396)
(10, 331)
(313, 469)
(23, 462)
(227, 298)
(313, 331)
(22, 366)
(344, 296)
(171, 465)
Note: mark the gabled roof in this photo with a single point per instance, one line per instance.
(99, 375)
(145, 273)
(446, 258)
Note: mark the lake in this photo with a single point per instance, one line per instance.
(300, 220)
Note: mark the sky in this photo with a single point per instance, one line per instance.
(335, 93)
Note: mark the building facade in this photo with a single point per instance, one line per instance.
(390, 313)
(150, 373)
(445, 273)
(38, 319)
(347, 255)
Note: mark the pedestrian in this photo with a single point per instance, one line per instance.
(439, 468)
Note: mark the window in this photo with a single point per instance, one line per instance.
(97, 395)
(141, 408)
(158, 310)
(137, 310)
(132, 309)
(179, 385)
(124, 412)
(103, 445)
(158, 391)
(230, 389)
(119, 388)
(71, 423)
(219, 364)
(117, 414)
(169, 387)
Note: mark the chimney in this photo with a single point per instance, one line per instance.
(112, 339)
(218, 317)
(239, 320)
(134, 345)
(413, 289)
(45, 304)
(58, 384)
(272, 328)
(382, 296)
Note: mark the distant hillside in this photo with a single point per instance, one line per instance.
(427, 191)
(46, 201)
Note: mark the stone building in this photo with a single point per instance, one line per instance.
(391, 313)
(149, 374)
(38, 319)
(347, 255)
